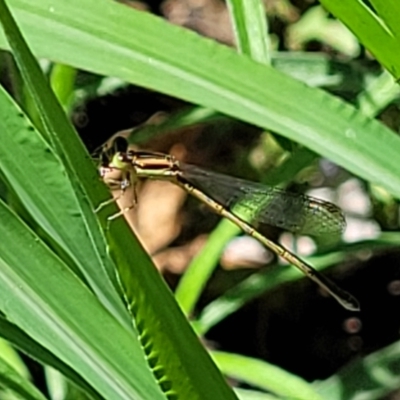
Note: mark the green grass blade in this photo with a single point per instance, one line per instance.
(213, 76)
(81, 240)
(35, 285)
(10, 355)
(58, 129)
(62, 81)
(37, 175)
(262, 281)
(168, 341)
(16, 384)
(250, 27)
(264, 375)
(389, 12)
(370, 29)
(173, 347)
(371, 377)
(20, 340)
(381, 92)
(200, 269)
(246, 394)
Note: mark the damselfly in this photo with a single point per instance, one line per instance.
(247, 204)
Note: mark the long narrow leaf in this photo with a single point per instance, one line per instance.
(213, 76)
(162, 328)
(20, 340)
(250, 26)
(376, 375)
(16, 384)
(38, 176)
(370, 29)
(81, 240)
(264, 375)
(41, 295)
(389, 11)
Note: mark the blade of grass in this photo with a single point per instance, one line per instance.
(266, 376)
(174, 370)
(250, 27)
(172, 342)
(247, 394)
(200, 269)
(389, 11)
(378, 94)
(34, 287)
(62, 81)
(81, 240)
(370, 29)
(265, 280)
(58, 129)
(182, 119)
(10, 355)
(38, 177)
(213, 76)
(27, 345)
(18, 385)
(371, 377)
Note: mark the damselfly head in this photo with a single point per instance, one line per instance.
(110, 150)
(121, 160)
(112, 155)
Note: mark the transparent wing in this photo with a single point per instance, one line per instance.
(269, 205)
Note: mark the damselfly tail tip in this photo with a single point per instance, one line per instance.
(350, 303)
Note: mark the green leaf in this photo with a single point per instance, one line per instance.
(27, 345)
(264, 375)
(53, 307)
(17, 384)
(11, 356)
(80, 239)
(245, 394)
(378, 94)
(167, 343)
(213, 76)
(389, 12)
(34, 172)
(372, 29)
(200, 269)
(250, 27)
(62, 82)
(367, 378)
(261, 282)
